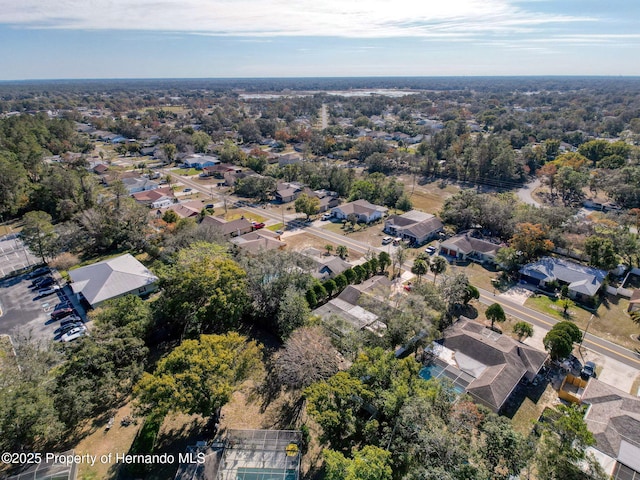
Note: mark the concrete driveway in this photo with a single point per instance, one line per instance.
(517, 294)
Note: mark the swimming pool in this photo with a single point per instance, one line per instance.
(437, 371)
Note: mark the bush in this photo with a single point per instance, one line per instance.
(64, 261)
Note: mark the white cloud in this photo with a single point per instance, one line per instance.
(264, 18)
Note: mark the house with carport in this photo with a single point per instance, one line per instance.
(365, 211)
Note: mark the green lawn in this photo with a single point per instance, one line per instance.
(186, 172)
(277, 226)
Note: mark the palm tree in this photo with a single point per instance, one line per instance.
(437, 266)
(342, 251)
(419, 268)
(495, 313)
(329, 248)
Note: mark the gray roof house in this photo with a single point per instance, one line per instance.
(112, 278)
(613, 417)
(234, 228)
(347, 305)
(366, 212)
(491, 364)
(583, 282)
(467, 247)
(326, 266)
(415, 226)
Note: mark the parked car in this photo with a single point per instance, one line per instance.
(60, 313)
(257, 225)
(69, 320)
(38, 271)
(186, 190)
(48, 291)
(73, 334)
(325, 216)
(387, 240)
(69, 326)
(42, 282)
(588, 371)
(430, 250)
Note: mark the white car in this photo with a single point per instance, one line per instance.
(387, 240)
(73, 334)
(48, 291)
(325, 216)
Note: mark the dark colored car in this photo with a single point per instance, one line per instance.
(588, 371)
(61, 313)
(257, 225)
(42, 282)
(38, 271)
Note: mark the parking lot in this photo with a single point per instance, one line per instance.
(13, 255)
(22, 308)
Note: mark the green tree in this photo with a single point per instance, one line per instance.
(437, 266)
(335, 404)
(370, 463)
(330, 286)
(559, 340)
(199, 376)
(293, 312)
(404, 203)
(561, 452)
(329, 248)
(384, 260)
(601, 251)
(350, 275)
(39, 235)
(312, 299)
(498, 450)
(169, 150)
(203, 291)
(420, 267)
(523, 330)
(495, 313)
(341, 282)
(201, 141)
(342, 251)
(170, 216)
(307, 205)
(127, 316)
(14, 183)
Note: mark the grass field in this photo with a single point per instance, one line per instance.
(300, 241)
(186, 172)
(235, 213)
(428, 197)
(611, 321)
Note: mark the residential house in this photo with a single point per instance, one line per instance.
(258, 241)
(109, 177)
(487, 365)
(139, 184)
(233, 228)
(112, 278)
(415, 226)
(583, 282)
(613, 417)
(219, 170)
(328, 199)
(366, 212)
(157, 198)
(182, 210)
(100, 169)
(467, 247)
(347, 305)
(287, 192)
(326, 266)
(200, 161)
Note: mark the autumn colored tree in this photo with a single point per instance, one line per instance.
(531, 240)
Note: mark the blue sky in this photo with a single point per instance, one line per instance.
(45, 39)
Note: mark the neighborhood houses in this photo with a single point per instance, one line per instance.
(321, 278)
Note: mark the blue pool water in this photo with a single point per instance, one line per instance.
(436, 371)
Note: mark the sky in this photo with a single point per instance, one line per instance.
(60, 39)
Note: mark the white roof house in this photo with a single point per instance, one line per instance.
(112, 278)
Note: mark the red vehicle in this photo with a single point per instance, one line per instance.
(257, 226)
(61, 313)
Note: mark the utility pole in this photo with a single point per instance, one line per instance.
(585, 334)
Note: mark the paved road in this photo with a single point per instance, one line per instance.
(524, 193)
(324, 116)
